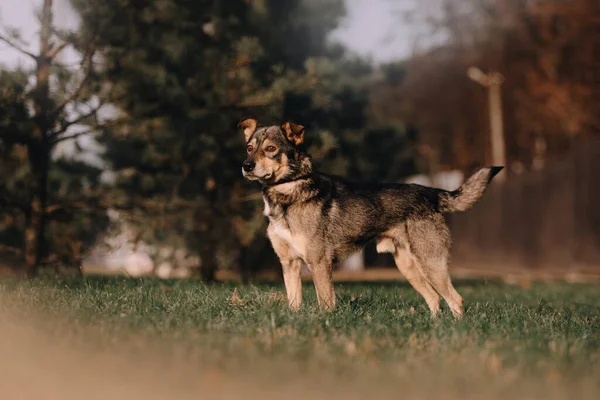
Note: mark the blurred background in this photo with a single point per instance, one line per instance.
(119, 151)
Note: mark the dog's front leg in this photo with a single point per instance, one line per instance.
(293, 282)
(291, 265)
(321, 273)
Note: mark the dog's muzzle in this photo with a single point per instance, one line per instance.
(248, 165)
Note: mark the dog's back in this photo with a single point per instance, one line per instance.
(374, 207)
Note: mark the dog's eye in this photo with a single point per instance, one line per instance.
(270, 149)
(249, 148)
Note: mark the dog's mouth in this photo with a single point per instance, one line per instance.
(252, 176)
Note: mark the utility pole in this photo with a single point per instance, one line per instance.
(493, 82)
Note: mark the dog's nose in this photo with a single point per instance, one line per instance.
(248, 165)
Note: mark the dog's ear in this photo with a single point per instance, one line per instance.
(249, 126)
(294, 132)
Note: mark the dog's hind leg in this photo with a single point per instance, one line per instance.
(406, 264)
(430, 243)
(439, 277)
(408, 267)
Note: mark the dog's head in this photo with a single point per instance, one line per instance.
(273, 153)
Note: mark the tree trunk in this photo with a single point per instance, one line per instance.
(76, 258)
(39, 149)
(252, 258)
(36, 221)
(208, 263)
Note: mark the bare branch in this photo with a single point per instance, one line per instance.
(88, 68)
(60, 34)
(57, 207)
(74, 136)
(94, 128)
(252, 197)
(77, 120)
(54, 51)
(10, 249)
(17, 47)
(127, 205)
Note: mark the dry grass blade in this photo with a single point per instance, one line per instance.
(235, 298)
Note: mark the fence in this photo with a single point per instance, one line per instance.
(549, 219)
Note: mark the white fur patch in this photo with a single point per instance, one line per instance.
(386, 245)
(283, 232)
(280, 229)
(267, 210)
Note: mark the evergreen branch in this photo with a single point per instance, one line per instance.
(15, 137)
(7, 202)
(17, 47)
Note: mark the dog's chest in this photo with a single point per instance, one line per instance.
(280, 228)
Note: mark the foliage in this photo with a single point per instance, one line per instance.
(13, 158)
(544, 49)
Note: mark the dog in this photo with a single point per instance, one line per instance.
(319, 219)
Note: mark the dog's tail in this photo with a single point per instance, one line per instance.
(469, 193)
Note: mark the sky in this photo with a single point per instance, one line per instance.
(372, 28)
(377, 29)
(21, 14)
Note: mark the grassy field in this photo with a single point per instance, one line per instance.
(182, 339)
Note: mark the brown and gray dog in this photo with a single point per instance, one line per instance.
(318, 219)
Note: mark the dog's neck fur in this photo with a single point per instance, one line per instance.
(279, 195)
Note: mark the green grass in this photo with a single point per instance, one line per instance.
(512, 341)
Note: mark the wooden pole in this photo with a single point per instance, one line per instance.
(496, 122)
(493, 82)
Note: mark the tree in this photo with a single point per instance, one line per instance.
(60, 105)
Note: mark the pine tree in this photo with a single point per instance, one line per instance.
(35, 118)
